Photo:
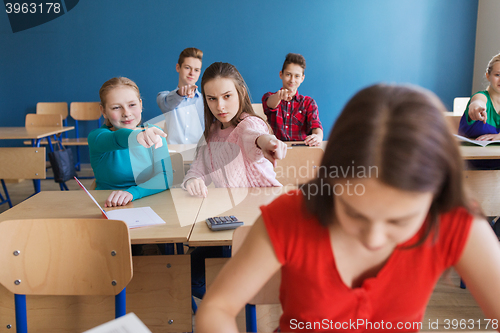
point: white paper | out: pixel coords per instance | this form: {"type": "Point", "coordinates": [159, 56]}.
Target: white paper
{"type": "Point", "coordinates": [135, 217]}
{"type": "Point", "coordinates": [476, 142]}
{"type": "Point", "coordinates": [129, 323]}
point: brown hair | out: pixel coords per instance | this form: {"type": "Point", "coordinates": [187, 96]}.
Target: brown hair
{"type": "Point", "coordinates": [294, 58]}
{"type": "Point", "coordinates": [492, 62]}
{"type": "Point", "coordinates": [402, 132]}
{"type": "Point", "coordinates": [115, 83]}
{"type": "Point", "coordinates": [226, 71]}
{"type": "Point", "coordinates": [192, 52]}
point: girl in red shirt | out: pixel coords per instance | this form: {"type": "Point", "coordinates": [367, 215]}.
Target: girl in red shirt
{"type": "Point", "coordinates": [362, 246]}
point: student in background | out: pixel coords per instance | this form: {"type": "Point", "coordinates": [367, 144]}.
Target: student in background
{"type": "Point", "coordinates": [368, 246]}
{"type": "Point", "coordinates": [239, 149]}
{"type": "Point", "coordinates": [183, 106]}
{"type": "Point", "coordinates": [293, 117]}
{"type": "Point", "coordinates": [481, 120]}
{"type": "Point", "coordinates": [121, 153]}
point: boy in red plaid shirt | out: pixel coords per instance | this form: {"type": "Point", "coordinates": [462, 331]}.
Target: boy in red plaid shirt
{"type": "Point", "coordinates": [293, 117]}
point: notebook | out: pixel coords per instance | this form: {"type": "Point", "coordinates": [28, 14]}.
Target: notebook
{"type": "Point", "coordinates": [133, 217]}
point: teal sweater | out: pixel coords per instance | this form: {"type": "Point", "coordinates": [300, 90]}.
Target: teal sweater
{"type": "Point", "coordinates": [121, 163]}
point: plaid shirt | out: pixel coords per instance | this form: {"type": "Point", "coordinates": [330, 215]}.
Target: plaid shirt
{"type": "Point", "coordinates": [292, 120]}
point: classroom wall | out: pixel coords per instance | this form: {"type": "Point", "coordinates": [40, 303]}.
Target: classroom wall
{"type": "Point", "coordinates": [348, 44]}
{"type": "Point", "coordinates": [487, 41]}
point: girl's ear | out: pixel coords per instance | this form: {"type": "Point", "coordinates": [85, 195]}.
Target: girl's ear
{"type": "Point", "coordinates": [102, 111]}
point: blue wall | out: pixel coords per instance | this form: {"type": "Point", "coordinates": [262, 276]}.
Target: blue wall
{"type": "Point", "coordinates": [348, 44]}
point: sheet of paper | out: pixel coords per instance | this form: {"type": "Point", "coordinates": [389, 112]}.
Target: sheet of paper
{"type": "Point", "coordinates": [135, 217]}
{"type": "Point", "coordinates": [129, 323]}
{"type": "Point", "coordinates": [475, 142]}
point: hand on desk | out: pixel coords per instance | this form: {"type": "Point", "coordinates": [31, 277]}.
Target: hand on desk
{"type": "Point", "coordinates": [313, 140]}
{"type": "Point", "coordinates": [196, 187]}
{"type": "Point", "coordinates": [118, 198]}
{"type": "Point", "coordinates": [488, 137]}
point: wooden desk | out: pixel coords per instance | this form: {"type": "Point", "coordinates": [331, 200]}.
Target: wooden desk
{"type": "Point", "coordinates": [480, 153]}
{"type": "Point", "coordinates": [243, 203]}
{"type": "Point", "coordinates": [322, 145]}
{"type": "Point", "coordinates": [176, 207]}
{"type": "Point", "coordinates": [34, 133]}
{"type": "Point", "coordinates": [160, 291]}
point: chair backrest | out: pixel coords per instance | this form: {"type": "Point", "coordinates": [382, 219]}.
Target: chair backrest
{"type": "Point", "coordinates": [269, 294]}
{"type": "Point", "coordinates": [259, 110]}
{"type": "Point", "coordinates": [177, 168]}
{"type": "Point", "coordinates": [453, 122]}
{"type": "Point", "coordinates": [484, 187]}
{"type": "Point", "coordinates": [85, 110]}
{"type": "Point", "coordinates": [459, 105]}
{"type": "Point", "coordinates": [43, 120]}
{"type": "Point", "coordinates": [300, 165]}
{"type": "Point", "coordinates": [52, 108]}
{"type": "Point", "coordinates": [22, 163]}
{"type": "Point", "coordinates": [65, 256]}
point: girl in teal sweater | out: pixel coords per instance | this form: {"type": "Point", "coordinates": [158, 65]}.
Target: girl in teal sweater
{"type": "Point", "coordinates": [121, 153]}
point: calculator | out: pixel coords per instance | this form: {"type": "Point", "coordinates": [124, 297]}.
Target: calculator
{"type": "Point", "coordinates": [223, 223]}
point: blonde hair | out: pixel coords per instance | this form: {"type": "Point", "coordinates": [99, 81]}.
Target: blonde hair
{"type": "Point", "coordinates": [115, 83]}
{"type": "Point", "coordinates": [492, 62]}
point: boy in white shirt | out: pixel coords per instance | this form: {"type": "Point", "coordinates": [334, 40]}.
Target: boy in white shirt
{"type": "Point", "coordinates": [183, 106]}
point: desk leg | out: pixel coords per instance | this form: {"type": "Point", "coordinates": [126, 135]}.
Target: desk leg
{"type": "Point", "coordinates": [36, 182]}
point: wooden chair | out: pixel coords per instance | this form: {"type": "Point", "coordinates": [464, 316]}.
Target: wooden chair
{"type": "Point", "coordinates": [51, 108]}
{"type": "Point", "coordinates": [300, 165]}
{"type": "Point", "coordinates": [269, 294]}
{"type": "Point", "coordinates": [459, 105]}
{"type": "Point", "coordinates": [64, 257]}
{"type": "Point", "coordinates": [484, 187]}
{"type": "Point", "coordinates": [259, 110]}
{"type": "Point", "coordinates": [453, 122]}
{"type": "Point", "coordinates": [177, 168]}
{"type": "Point", "coordinates": [82, 111]}
{"type": "Point", "coordinates": [21, 163]}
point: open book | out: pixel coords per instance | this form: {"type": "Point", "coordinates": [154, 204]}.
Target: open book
{"type": "Point", "coordinates": [133, 217]}
{"type": "Point", "coordinates": [465, 140]}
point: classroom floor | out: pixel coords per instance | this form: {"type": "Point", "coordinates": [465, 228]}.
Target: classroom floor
{"type": "Point", "coordinates": [448, 301]}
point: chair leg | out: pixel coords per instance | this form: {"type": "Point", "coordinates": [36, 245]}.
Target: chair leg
{"type": "Point", "coordinates": [121, 303]}
{"type": "Point", "coordinates": [78, 164]}
{"type": "Point", "coordinates": [7, 197]}
{"type": "Point", "coordinates": [251, 318]}
{"type": "Point", "coordinates": [21, 319]}
{"type": "Point", "coordinates": [462, 284]}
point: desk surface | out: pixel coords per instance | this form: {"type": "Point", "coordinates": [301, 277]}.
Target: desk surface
{"type": "Point", "coordinates": [243, 203]}
{"type": "Point", "coordinates": [174, 206]}
{"type": "Point", "coordinates": [480, 153]}
{"type": "Point", "coordinates": [31, 133]}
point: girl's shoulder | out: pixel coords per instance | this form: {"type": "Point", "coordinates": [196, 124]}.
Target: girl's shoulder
{"type": "Point", "coordinates": [247, 120]}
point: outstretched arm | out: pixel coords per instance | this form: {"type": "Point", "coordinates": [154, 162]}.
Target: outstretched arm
{"type": "Point", "coordinates": [240, 279]}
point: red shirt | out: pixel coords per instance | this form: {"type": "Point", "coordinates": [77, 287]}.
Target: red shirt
{"type": "Point", "coordinates": [312, 294]}
{"type": "Point", "coordinates": [292, 120]}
